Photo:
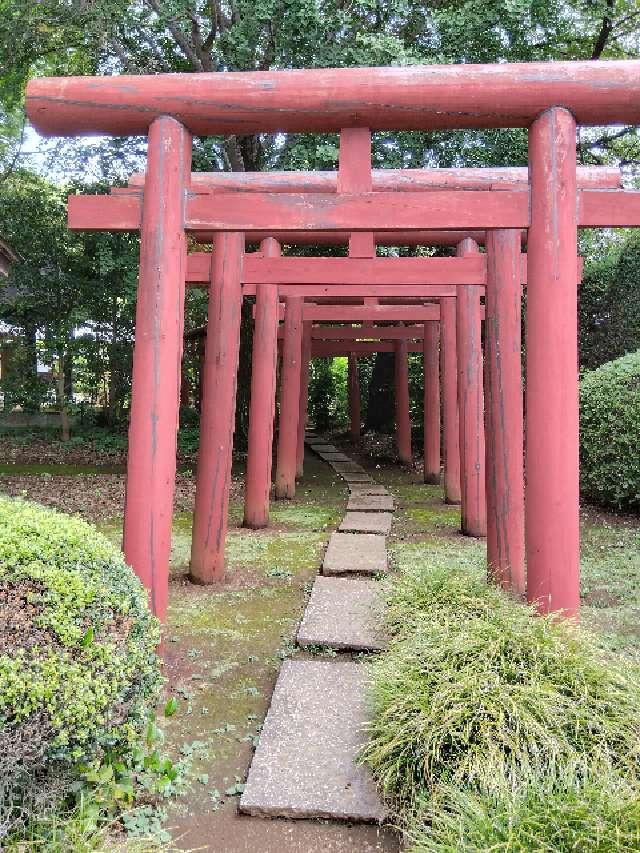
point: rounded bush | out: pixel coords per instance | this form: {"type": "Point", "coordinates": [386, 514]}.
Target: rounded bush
{"type": "Point", "coordinates": [610, 433]}
{"type": "Point", "coordinates": [78, 665]}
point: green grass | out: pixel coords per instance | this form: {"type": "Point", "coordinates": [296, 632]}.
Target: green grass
{"type": "Point", "coordinates": [485, 716]}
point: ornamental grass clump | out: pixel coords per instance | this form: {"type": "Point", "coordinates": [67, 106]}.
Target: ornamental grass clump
{"type": "Point", "coordinates": [78, 666]}
{"type": "Point", "coordinates": [480, 705]}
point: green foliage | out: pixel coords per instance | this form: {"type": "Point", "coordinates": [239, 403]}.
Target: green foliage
{"type": "Point", "coordinates": [328, 393]}
{"type": "Point", "coordinates": [77, 657]}
{"type": "Point", "coordinates": [609, 302]}
{"type": "Point", "coordinates": [480, 707]}
{"type": "Point", "coordinates": [609, 430]}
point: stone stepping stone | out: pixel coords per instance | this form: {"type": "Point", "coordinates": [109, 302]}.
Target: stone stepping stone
{"type": "Point", "coordinates": [366, 522]}
{"type": "Point", "coordinates": [355, 477]}
{"type": "Point", "coordinates": [305, 765]}
{"type": "Point", "coordinates": [353, 553]}
{"type": "Point", "coordinates": [338, 456]}
{"type": "Point", "coordinates": [370, 503]}
{"type": "Point", "coordinates": [324, 448]}
{"type": "Point", "coordinates": [343, 613]}
{"type": "Point", "coordinates": [347, 467]}
{"type": "Point", "coordinates": [367, 489]}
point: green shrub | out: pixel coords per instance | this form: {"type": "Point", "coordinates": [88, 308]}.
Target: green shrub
{"type": "Point", "coordinates": [77, 654]}
{"type": "Point", "coordinates": [610, 433]}
{"type": "Point", "coordinates": [479, 696]}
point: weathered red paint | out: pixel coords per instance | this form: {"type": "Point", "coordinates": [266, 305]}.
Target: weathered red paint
{"type": "Point", "coordinates": [334, 292]}
{"type": "Point", "coordinates": [403, 422]}
{"type": "Point", "coordinates": [371, 313]}
{"type": "Point", "coordinates": [449, 387]}
{"type": "Point", "coordinates": [151, 462]}
{"type": "Point", "coordinates": [353, 393]}
{"type": "Point", "coordinates": [289, 399]}
{"type": "Point", "coordinates": [217, 418]}
{"type": "Point", "coordinates": [401, 98]}
{"type": "Point", "coordinates": [355, 333]}
{"type": "Point", "coordinates": [263, 401]}
{"type": "Point", "coordinates": [373, 211]}
{"type": "Point", "coordinates": [323, 349]}
{"type": "Point", "coordinates": [293, 221]}
{"type": "Point", "coordinates": [382, 180]}
{"type": "Point", "coordinates": [552, 529]}
{"type": "Point", "coordinates": [354, 176]}
{"type": "Point", "coordinates": [431, 376]}
{"type": "Point", "coordinates": [504, 414]}
{"type": "Point", "coordinates": [305, 358]}
{"type": "Point", "coordinates": [473, 505]}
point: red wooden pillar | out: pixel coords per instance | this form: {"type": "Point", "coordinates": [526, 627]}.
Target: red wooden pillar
{"type": "Point", "coordinates": [449, 384]}
{"type": "Point", "coordinates": [552, 496]}
{"type": "Point", "coordinates": [289, 399]}
{"type": "Point", "coordinates": [353, 389]}
{"type": "Point", "coordinates": [403, 422]}
{"type": "Point", "coordinates": [431, 375]}
{"type": "Point", "coordinates": [305, 367]}
{"type": "Point", "coordinates": [503, 412]}
{"type": "Point", "coordinates": [217, 420]}
{"type": "Point", "coordinates": [151, 461]}
{"type": "Point", "coordinates": [263, 400]}
{"type": "Point", "coordinates": [473, 504]}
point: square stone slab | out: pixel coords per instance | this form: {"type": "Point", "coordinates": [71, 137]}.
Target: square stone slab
{"type": "Point", "coordinates": [347, 467]}
{"type": "Point", "coordinates": [343, 613]}
{"type": "Point", "coordinates": [324, 448]}
{"type": "Point", "coordinates": [370, 503]}
{"type": "Point", "coordinates": [305, 763]}
{"type": "Point", "coordinates": [355, 476]}
{"type": "Point", "coordinates": [353, 553]}
{"type": "Point", "coordinates": [367, 489]}
{"type": "Point", "coordinates": [366, 522]}
{"type": "Point", "coordinates": [336, 456]}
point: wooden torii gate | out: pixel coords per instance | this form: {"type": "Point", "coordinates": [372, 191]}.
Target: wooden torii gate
{"type": "Point", "coordinates": [548, 99]}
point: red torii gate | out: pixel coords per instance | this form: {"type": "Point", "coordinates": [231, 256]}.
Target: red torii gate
{"type": "Point", "coordinates": [547, 98]}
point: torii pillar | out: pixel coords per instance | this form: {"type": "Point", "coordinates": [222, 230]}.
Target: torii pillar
{"type": "Point", "coordinates": [504, 412]}
{"type": "Point", "coordinates": [449, 384]}
{"type": "Point", "coordinates": [431, 376]}
{"type": "Point", "coordinates": [305, 366]}
{"type": "Point", "coordinates": [157, 354]}
{"type": "Point", "coordinates": [287, 462]}
{"type": "Point", "coordinates": [353, 392]}
{"type": "Point", "coordinates": [552, 492]}
{"type": "Point", "coordinates": [473, 506]}
{"type": "Point", "coordinates": [262, 405]}
{"type": "Point", "coordinates": [403, 421]}
{"type": "Point", "coordinates": [217, 419]}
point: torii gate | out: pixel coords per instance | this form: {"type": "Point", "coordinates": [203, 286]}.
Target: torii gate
{"type": "Point", "coordinates": [546, 98]}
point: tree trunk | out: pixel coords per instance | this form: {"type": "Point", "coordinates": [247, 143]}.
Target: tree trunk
{"type": "Point", "coordinates": [61, 399]}
{"type": "Point", "coordinates": [380, 407]}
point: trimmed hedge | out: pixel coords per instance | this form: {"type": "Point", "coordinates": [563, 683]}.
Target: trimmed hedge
{"type": "Point", "coordinates": [610, 433]}
{"type": "Point", "coordinates": [78, 666]}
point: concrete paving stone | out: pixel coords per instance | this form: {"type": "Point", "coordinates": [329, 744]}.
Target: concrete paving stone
{"type": "Point", "coordinates": [343, 613]}
{"type": "Point", "coordinates": [353, 553]}
{"type": "Point", "coordinates": [338, 456]}
{"type": "Point", "coordinates": [324, 448]}
{"type": "Point", "coordinates": [370, 503]}
{"type": "Point", "coordinates": [347, 467]}
{"type": "Point", "coordinates": [305, 764]}
{"type": "Point", "coordinates": [367, 489]}
{"type": "Point", "coordinates": [366, 522]}
{"type": "Point", "coordinates": [355, 477]}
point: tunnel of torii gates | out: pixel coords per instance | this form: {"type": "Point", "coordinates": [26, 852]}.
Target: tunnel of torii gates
{"type": "Point", "coordinates": [549, 99]}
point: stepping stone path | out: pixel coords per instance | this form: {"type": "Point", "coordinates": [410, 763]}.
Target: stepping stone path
{"type": "Point", "coordinates": [305, 765]}
{"type": "Point", "coordinates": [366, 522]}
{"type": "Point", "coordinates": [359, 502]}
